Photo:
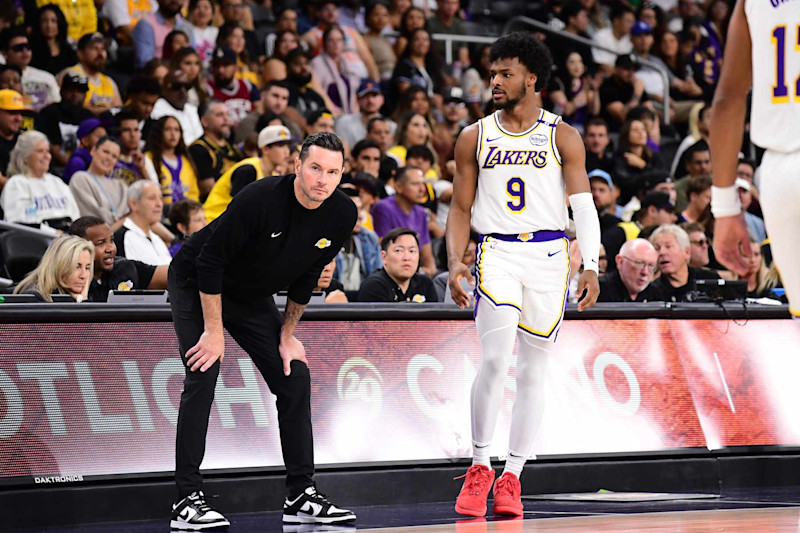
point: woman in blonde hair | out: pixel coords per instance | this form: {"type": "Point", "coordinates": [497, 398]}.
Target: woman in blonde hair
{"type": "Point", "coordinates": [67, 267]}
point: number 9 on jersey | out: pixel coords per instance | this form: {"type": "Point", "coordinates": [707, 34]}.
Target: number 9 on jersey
{"type": "Point", "coordinates": [515, 188]}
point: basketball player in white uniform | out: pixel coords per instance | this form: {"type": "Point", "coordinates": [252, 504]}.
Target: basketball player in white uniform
{"type": "Point", "coordinates": [514, 170]}
{"type": "Point", "coordinates": [763, 50]}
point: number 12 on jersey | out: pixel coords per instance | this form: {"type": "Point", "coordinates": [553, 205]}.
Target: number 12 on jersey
{"type": "Point", "coordinates": [780, 91]}
{"type": "Point", "coordinates": [515, 188]}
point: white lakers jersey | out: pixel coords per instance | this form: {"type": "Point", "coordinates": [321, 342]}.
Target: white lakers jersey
{"type": "Point", "coordinates": [775, 36]}
{"type": "Point", "coordinates": [520, 184]}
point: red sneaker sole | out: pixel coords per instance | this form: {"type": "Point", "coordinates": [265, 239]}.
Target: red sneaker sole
{"type": "Point", "coordinates": [507, 510]}
{"type": "Point", "coordinates": [470, 512]}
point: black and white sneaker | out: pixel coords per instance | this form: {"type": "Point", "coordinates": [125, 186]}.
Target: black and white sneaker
{"type": "Point", "coordinates": [194, 513]}
{"type": "Point", "coordinates": [311, 507]}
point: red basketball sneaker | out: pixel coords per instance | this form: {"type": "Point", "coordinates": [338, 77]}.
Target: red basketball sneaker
{"type": "Point", "coordinates": [471, 500]}
{"type": "Point", "coordinates": [507, 495]}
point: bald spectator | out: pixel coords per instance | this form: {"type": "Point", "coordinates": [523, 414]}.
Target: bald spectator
{"type": "Point", "coordinates": [677, 279]}
{"type": "Point", "coordinates": [175, 102]}
{"type": "Point", "coordinates": [636, 263]}
{"type": "Point", "coordinates": [698, 191]}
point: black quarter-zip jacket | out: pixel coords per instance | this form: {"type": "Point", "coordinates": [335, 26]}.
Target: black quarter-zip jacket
{"type": "Point", "coordinates": [265, 242]}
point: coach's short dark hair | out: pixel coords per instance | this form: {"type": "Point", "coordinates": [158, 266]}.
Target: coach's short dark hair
{"type": "Point", "coordinates": [325, 140]}
{"type": "Point", "coordinates": [80, 226]}
{"type": "Point", "coordinates": [395, 234]}
{"type": "Point", "coordinates": [534, 55]}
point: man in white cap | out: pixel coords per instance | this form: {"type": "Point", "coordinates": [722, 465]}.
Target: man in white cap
{"type": "Point", "coordinates": [273, 143]}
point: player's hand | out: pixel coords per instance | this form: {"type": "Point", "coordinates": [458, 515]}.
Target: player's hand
{"type": "Point", "coordinates": [205, 353]}
{"type": "Point", "coordinates": [290, 350]}
{"type": "Point", "coordinates": [457, 272]}
{"type": "Point", "coordinates": [732, 244]}
{"type": "Point", "coordinates": [589, 284]}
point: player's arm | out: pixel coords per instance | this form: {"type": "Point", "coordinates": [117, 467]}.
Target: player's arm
{"type": "Point", "coordinates": [587, 226]}
{"type": "Point", "coordinates": [731, 240]}
{"type": "Point", "coordinates": [465, 183]}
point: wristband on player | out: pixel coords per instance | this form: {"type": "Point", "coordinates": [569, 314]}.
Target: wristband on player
{"type": "Point", "coordinates": [725, 201]}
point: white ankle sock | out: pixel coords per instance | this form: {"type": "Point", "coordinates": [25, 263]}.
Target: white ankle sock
{"type": "Point", "coordinates": [514, 464]}
{"type": "Point", "coordinates": [480, 455]}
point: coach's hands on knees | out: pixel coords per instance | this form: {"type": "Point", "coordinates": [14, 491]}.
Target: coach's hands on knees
{"type": "Point", "coordinates": [457, 272]}
{"type": "Point", "coordinates": [588, 290]}
{"type": "Point", "coordinates": [290, 350]}
{"type": "Point", "coordinates": [206, 352]}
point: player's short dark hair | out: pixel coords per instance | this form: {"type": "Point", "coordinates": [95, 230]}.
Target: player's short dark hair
{"type": "Point", "coordinates": [403, 173]}
{"type": "Point", "coordinates": [144, 85]}
{"type": "Point", "coordinates": [420, 151]}
{"type": "Point", "coordinates": [374, 120]}
{"type": "Point", "coordinates": [181, 212]}
{"type": "Point", "coordinates": [362, 145]}
{"type": "Point", "coordinates": [698, 184]}
{"type": "Point", "coordinates": [533, 54]}
{"type": "Point", "coordinates": [79, 227]}
{"type": "Point", "coordinates": [395, 234]}
{"type": "Point", "coordinates": [323, 139]}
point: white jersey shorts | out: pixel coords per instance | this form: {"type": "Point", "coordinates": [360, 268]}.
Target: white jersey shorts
{"type": "Point", "coordinates": [529, 273]}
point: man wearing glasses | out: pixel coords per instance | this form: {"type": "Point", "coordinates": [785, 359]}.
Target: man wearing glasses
{"type": "Point", "coordinates": [632, 281]}
{"type": "Point", "coordinates": [174, 102]}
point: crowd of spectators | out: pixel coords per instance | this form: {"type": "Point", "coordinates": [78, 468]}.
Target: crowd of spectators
{"type": "Point", "coordinates": [130, 124]}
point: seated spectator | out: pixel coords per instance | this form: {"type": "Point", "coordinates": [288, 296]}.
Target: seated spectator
{"type": "Point", "coordinates": [11, 106]}
{"type": "Point", "coordinates": [235, 12]}
{"type": "Point", "coordinates": [103, 92]}
{"type": "Point", "coordinates": [575, 17]}
{"type": "Point", "coordinates": [419, 65]}
{"type": "Point", "coordinates": [33, 196]}
{"type": "Point", "coordinates": [81, 16]}
{"type": "Point", "coordinates": [699, 244]}
{"type": "Point", "coordinates": [699, 128]}
{"type": "Point", "coordinates": [112, 272]}
{"type": "Point", "coordinates": [698, 190]}
{"type": "Point", "coordinates": [143, 93]}
{"type": "Point", "coordinates": [441, 280]}
{"type": "Point", "coordinates": [634, 160]}
{"type": "Point", "coordinates": [413, 19]}
{"type": "Point", "coordinates": [353, 127]}
{"type": "Point", "coordinates": [66, 267]}
{"type": "Point", "coordinates": [365, 156]}
{"type": "Point", "coordinates": [168, 163]}
{"type": "Point", "coordinates": [276, 67]}
{"type": "Point", "coordinates": [134, 239]}
{"type": "Point", "coordinates": [360, 256]}
{"type": "Point", "coordinates": [599, 152]}
{"type": "Point", "coordinates": [96, 192]}
{"type": "Point", "coordinates": [151, 30]}
{"type": "Point", "coordinates": [190, 62]}
{"type": "Point", "coordinates": [762, 279]}
{"type": "Point", "coordinates": [380, 47]}
{"type": "Point", "coordinates": [122, 16]}
{"type": "Point", "coordinates": [203, 32]}
{"type": "Point", "coordinates": [398, 280]}
{"type": "Point", "coordinates": [746, 170]}
{"type": "Point", "coordinates": [575, 95]}
{"type": "Point", "coordinates": [61, 121]}
{"type": "Point", "coordinates": [188, 218]}
{"type": "Point", "coordinates": [355, 52]}
{"type": "Point", "coordinates": [174, 102]}
{"type": "Point", "coordinates": [287, 20]}
{"type": "Point", "coordinates": [616, 37]}
{"type": "Point", "coordinates": [273, 142]}
{"type": "Point", "coordinates": [39, 86]}
{"type": "Point", "coordinates": [275, 102]}
{"type": "Point", "coordinates": [233, 36]}
{"type": "Point", "coordinates": [697, 163]}
{"type": "Point", "coordinates": [447, 131]}
{"type": "Point", "coordinates": [335, 75]}
{"type": "Point", "coordinates": [333, 289]}
{"type": "Point", "coordinates": [447, 20]}
{"type": "Point", "coordinates": [413, 130]}
{"type": "Point", "coordinates": [212, 153]}
{"type": "Point", "coordinates": [89, 132]}
{"type": "Point", "coordinates": [319, 121]}
{"type": "Point", "coordinates": [656, 210]}
{"type": "Point", "coordinates": [51, 49]}
{"type": "Point", "coordinates": [416, 99]}
{"type": "Point", "coordinates": [632, 281]}
{"type": "Point", "coordinates": [156, 69]}
{"type": "Point", "coordinates": [302, 96]}
{"type": "Point", "coordinates": [755, 225]}
{"type": "Point", "coordinates": [603, 195]}
{"type": "Point", "coordinates": [379, 129]}
{"type": "Point", "coordinates": [403, 210]}
{"type": "Point", "coordinates": [475, 83]}
{"type": "Point", "coordinates": [239, 96]}
{"type": "Point", "coordinates": [174, 41]}
{"type": "Point", "coordinates": [131, 162]}
{"type": "Point", "coordinates": [367, 186]}
{"type": "Point", "coordinates": [620, 93]}
{"type": "Point", "coordinates": [677, 277]}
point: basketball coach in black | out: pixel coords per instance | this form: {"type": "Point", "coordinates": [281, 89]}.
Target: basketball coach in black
{"type": "Point", "coordinates": [277, 232]}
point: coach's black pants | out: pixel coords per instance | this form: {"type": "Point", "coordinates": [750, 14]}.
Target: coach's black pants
{"type": "Point", "coordinates": [255, 325]}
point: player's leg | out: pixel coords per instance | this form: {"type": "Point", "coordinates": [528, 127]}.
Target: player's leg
{"type": "Point", "coordinates": [190, 510]}
{"type": "Point", "coordinates": [496, 319]}
{"type": "Point", "coordinates": [780, 195]}
{"type": "Point", "coordinates": [256, 328]}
